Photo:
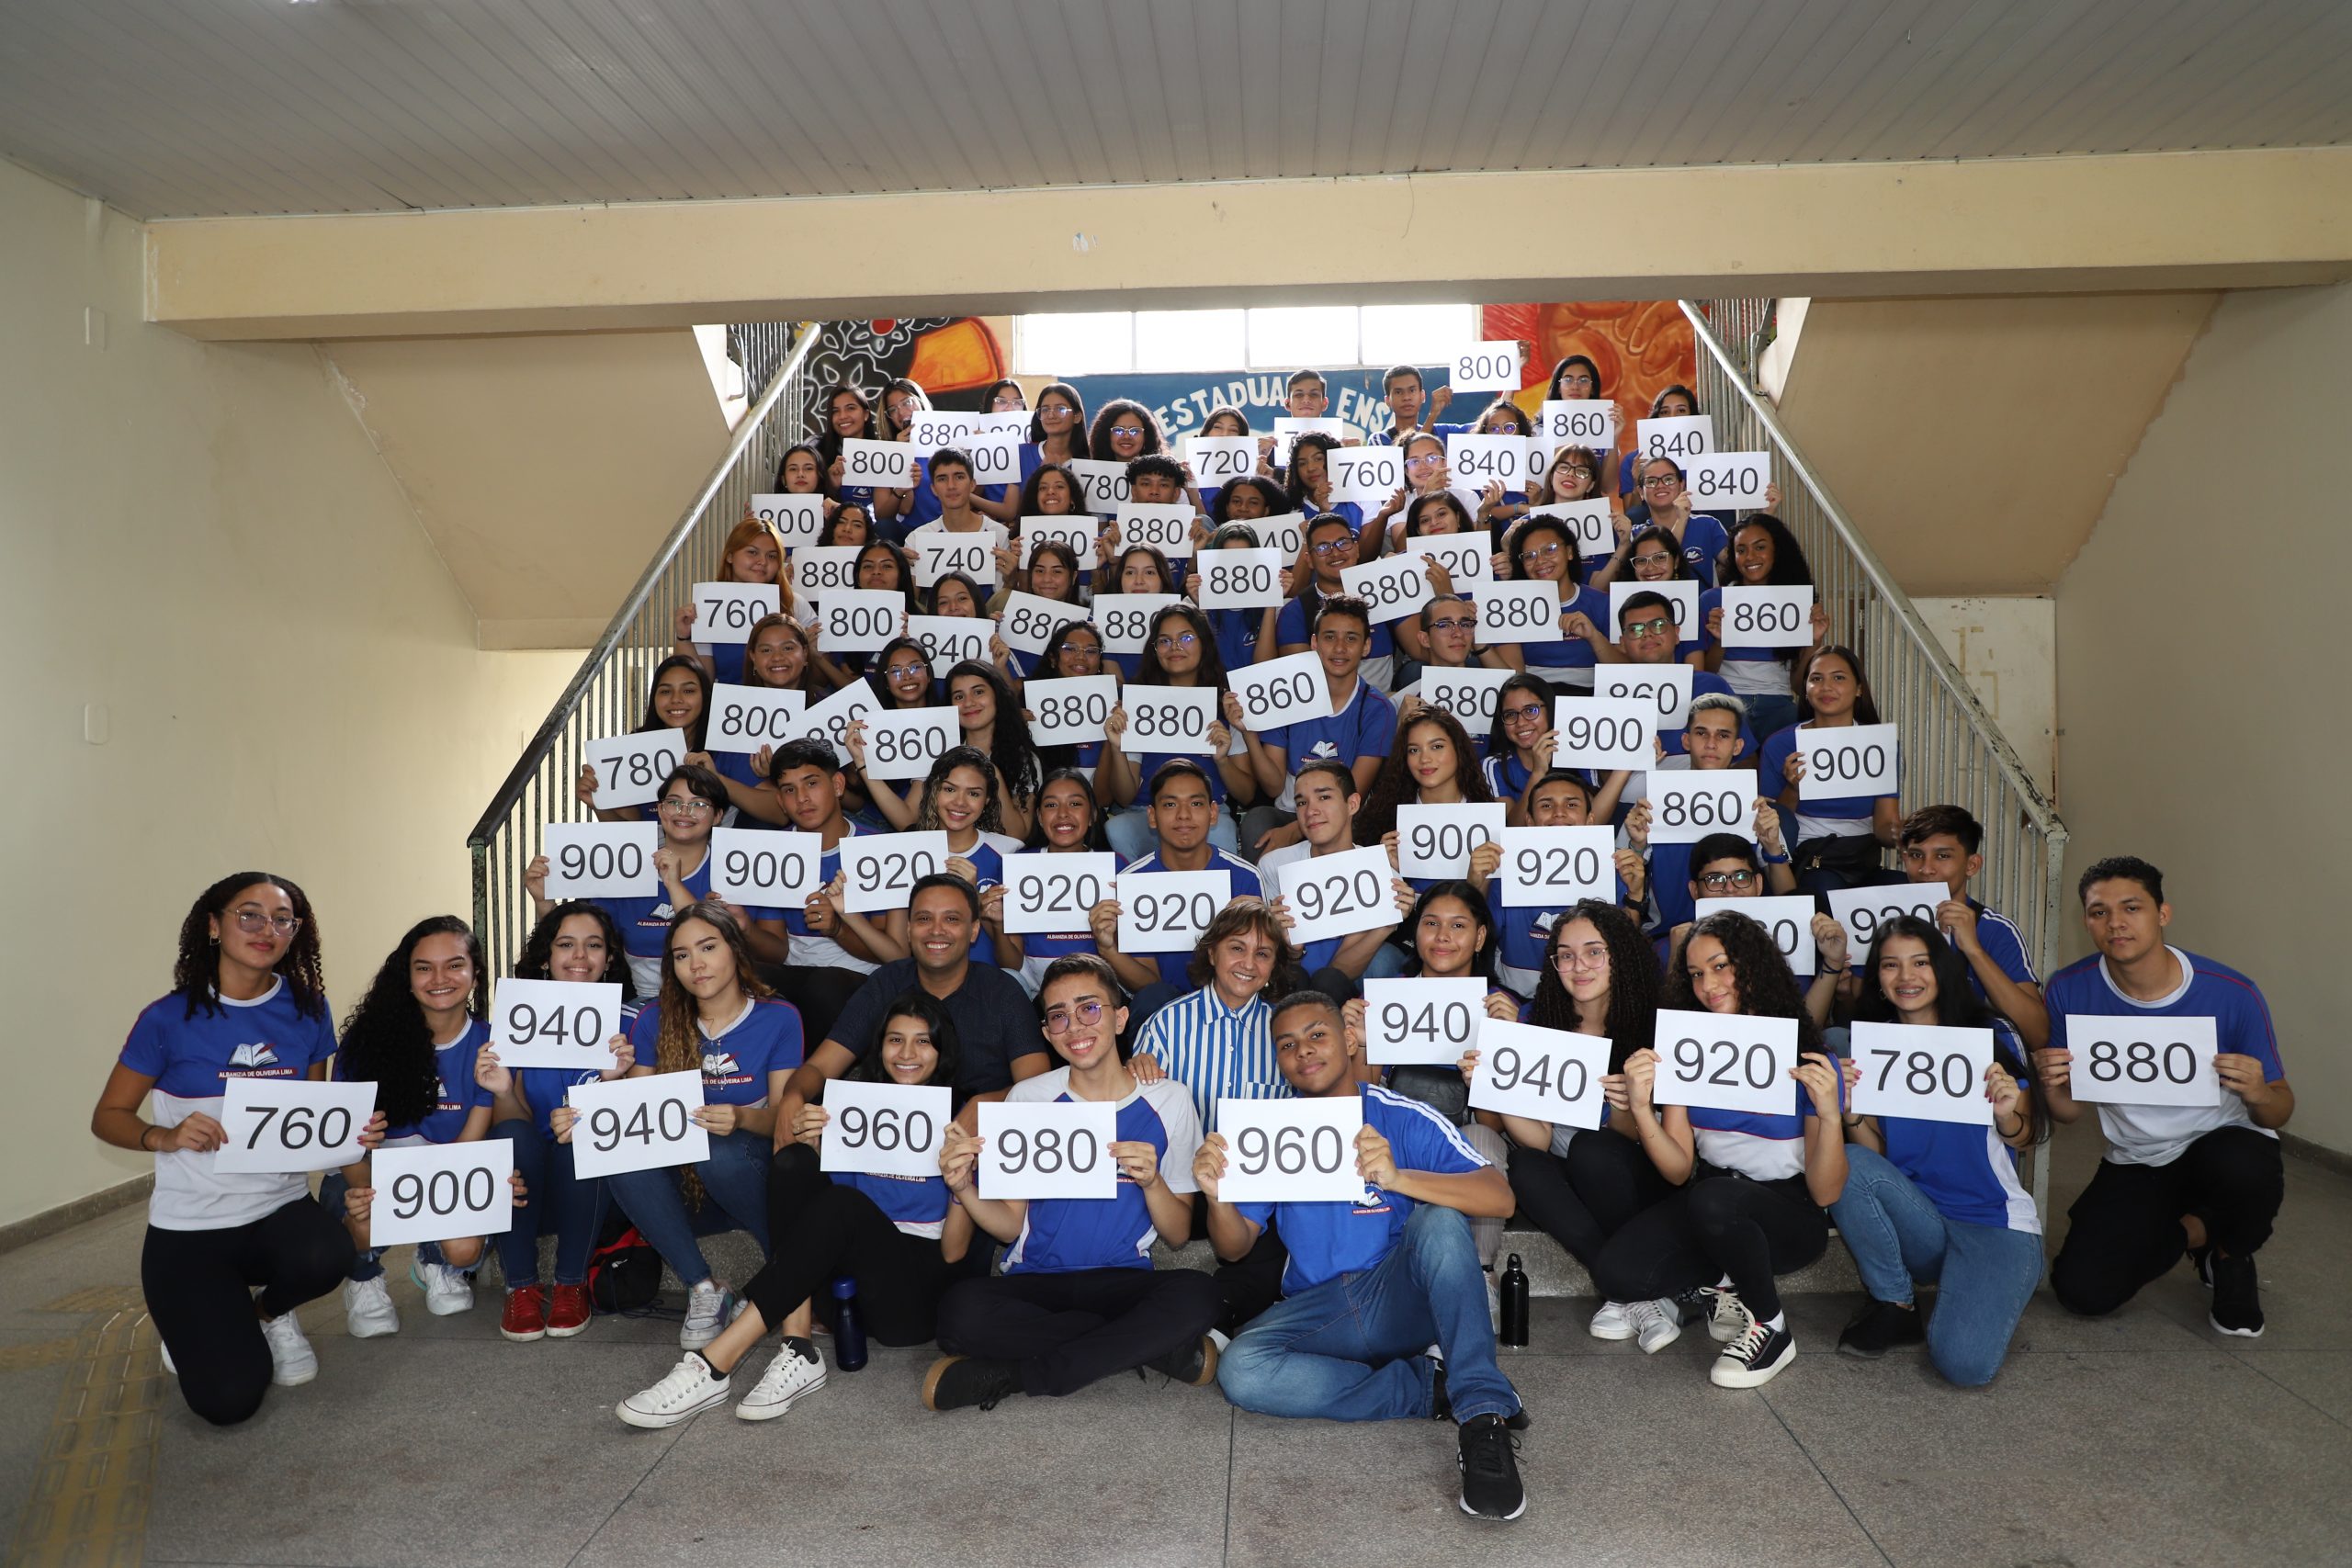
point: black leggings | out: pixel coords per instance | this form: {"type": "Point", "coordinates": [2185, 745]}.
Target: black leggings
{"type": "Point", "coordinates": [199, 1288]}
{"type": "Point", "coordinates": [819, 1230]}
{"type": "Point", "coordinates": [2125, 1229]}
{"type": "Point", "coordinates": [1584, 1197]}
{"type": "Point", "coordinates": [1066, 1330]}
{"type": "Point", "coordinates": [1718, 1224]}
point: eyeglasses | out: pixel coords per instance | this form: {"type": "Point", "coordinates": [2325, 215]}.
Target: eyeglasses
{"type": "Point", "coordinates": [1521, 714]}
{"type": "Point", "coordinates": [1540, 552]}
{"type": "Point", "coordinates": [1080, 650]}
{"type": "Point", "coordinates": [1134, 430]}
{"type": "Point", "coordinates": [904, 671]}
{"type": "Point", "coordinates": [899, 407]}
{"type": "Point", "coordinates": [1649, 628]}
{"type": "Point", "coordinates": [1182, 639]}
{"type": "Point", "coordinates": [1334, 546]}
{"type": "Point", "coordinates": [1080, 1015]}
{"type": "Point", "coordinates": [1661, 481]}
{"type": "Point", "coordinates": [1055, 409]}
{"type": "Point", "coordinates": [251, 920]}
{"type": "Point", "coordinates": [1717, 881]}
{"type": "Point", "coordinates": [1571, 958]}
{"type": "Point", "coordinates": [1426, 460]}
{"type": "Point", "coordinates": [687, 808]}
{"type": "Point", "coordinates": [1454, 623]}
{"type": "Point", "coordinates": [1656, 557]}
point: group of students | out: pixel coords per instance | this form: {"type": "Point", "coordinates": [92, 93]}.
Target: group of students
{"type": "Point", "coordinates": [1369, 1309]}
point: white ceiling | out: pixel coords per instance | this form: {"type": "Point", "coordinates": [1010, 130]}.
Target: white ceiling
{"type": "Point", "coordinates": [189, 108]}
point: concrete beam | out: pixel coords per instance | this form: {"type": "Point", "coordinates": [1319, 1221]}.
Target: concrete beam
{"type": "Point", "coordinates": [2170, 220]}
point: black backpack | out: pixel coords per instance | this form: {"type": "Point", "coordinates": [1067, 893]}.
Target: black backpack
{"type": "Point", "coordinates": [624, 1273]}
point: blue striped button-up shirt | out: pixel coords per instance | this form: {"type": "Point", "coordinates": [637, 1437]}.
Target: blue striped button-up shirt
{"type": "Point", "coordinates": [1215, 1052]}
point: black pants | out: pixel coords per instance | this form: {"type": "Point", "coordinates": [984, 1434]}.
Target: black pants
{"type": "Point", "coordinates": [1718, 1224]}
{"type": "Point", "coordinates": [818, 1231]}
{"type": "Point", "coordinates": [1253, 1285]}
{"type": "Point", "coordinates": [819, 993]}
{"type": "Point", "coordinates": [1064, 1331]}
{"type": "Point", "coordinates": [199, 1288]}
{"type": "Point", "coordinates": [2125, 1229]}
{"type": "Point", "coordinates": [1584, 1197]}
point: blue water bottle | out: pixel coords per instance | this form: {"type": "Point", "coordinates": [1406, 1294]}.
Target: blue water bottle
{"type": "Point", "coordinates": [849, 1325]}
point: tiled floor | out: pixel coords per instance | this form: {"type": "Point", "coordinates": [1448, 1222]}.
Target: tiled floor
{"type": "Point", "coordinates": [2139, 1439]}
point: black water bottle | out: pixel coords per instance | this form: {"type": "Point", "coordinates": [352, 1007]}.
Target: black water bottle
{"type": "Point", "coordinates": [1513, 1290]}
{"type": "Point", "coordinates": [849, 1325]}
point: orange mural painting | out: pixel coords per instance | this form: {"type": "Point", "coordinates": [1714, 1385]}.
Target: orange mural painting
{"type": "Point", "coordinates": [1641, 346]}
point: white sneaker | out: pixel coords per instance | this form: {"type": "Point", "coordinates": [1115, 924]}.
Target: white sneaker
{"type": "Point", "coordinates": [789, 1377]}
{"type": "Point", "coordinates": [1658, 1324]}
{"type": "Point", "coordinates": [168, 1369]}
{"type": "Point", "coordinates": [368, 1309]}
{"type": "Point", "coordinates": [446, 1289]}
{"type": "Point", "coordinates": [291, 1360]}
{"type": "Point", "coordinates": [1613, 1321]}
{"type": "Point", "coordinates": [1727, 1319]}
{"type": "Point", "coordinates": [707, 1315]}
{"type": "Point", "coordinates": [689, 1390]}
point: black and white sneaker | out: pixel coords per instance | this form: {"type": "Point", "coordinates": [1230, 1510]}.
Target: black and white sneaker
{"type": "Point", "coordinates": [2238, 1297]}
{"type": "Point", "coordinates": [1755, 1357]}
{"type": "Point", "coordinates": [1489, 1462]}
{"type": "Point", "coordinates": [954, 1382]}
{"type": "Point", "coordinates": [1441, 1406]}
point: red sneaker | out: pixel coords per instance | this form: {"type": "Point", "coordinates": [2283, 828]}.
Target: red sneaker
{"type": "Point", "coordinates": [526, 1317]}
{"type": "Point", "coordinates": [569, 1313]}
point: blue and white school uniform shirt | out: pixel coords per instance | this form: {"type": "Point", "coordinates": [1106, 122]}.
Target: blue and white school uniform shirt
{"type": "Point", "coordinates": [1237, 636]}
{"type": "Point", "coordinates": [1705, 538]}
{"type": "Point", "coordinates": [1172, 965]}
{"type": "Point", "coordinates": [1568, 660]}
{"type": "Point", "coordinates": [2155, 1135]}
{"type": "Point", "coordinates": [1966, 1172]}
{"type": "Point", "coordinates": [191, 1060]}
{"type": "Point", "coordinates": [1379, 666]}
{"type": "Point", "coordinates": [645, 925]}
{"type": "Point", "coordinates": [1061, 1236]}
{"type": "Point", "coordinates": [1670, 878]}
{"type": "Point", "coordinates": [737, 1056]}
{"type": "Point", "coordinates": [1749, 672]}
{"type": "Point", "coordinates": [544, 1088]}
{"type": "Point", "coordinates": [1704, 684]}
{"type": "Point", "coordinates": [1365, 727]}
{"type": "Point", "coordinates": [455, 1094]}
{"type": "Point", "coordinates": [1041, 948]}
{"type": "Point", "coordinates": [813, 950]}
{"type": "Point", "coordinates": [1841, 816]}
{"type": "Point", "coordinates": [1328, 1240]}
{"type": "Point", "coordinates": [1520, 935]}
{"type": "Point", "coordinates": [1761, 1147]}
{"type": "Point", "coordinates": [917, 1205]}
{"type": "Point", "coordinates": [987, 859]}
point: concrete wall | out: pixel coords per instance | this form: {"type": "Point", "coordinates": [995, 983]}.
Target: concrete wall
{"type": "Point", "coordinates": [2006, 647]}
{"type": "Point", "coordinates": [2194, 630]}
{"type": "Point", "coordinates": [197, 543]}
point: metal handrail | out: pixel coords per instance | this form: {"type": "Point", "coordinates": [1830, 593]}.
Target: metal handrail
{"type": "Point", "coordinates": [602, 697]}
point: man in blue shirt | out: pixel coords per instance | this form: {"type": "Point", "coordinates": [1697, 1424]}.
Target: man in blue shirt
{"type": "Point", "coordinates": [1402, 391]}
{"type": "Point", "coordinates": [1372, 1282]}
{"type": "Point", "coordinates": [1940, 844]}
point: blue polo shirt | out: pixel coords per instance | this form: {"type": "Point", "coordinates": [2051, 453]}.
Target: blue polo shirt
{"type": "Point", "coordinates": [1060, 1235]}
{"type": "Point", "coordinates": [737, 1060]}
{"type": "Point", "coordinates": [1365, 727]}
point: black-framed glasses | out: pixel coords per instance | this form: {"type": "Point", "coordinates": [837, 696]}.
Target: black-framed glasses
{"type": "Point", "coordinates": [1650, 627]}
{"type": "Point", "coordinates": [1660, 481]}
{"type": "Point", "coordinates": [1521, 714]}
{"type": "Point", "coordinates": [1334, 546]}
{"type": "Point", "coordinates": [1717, 881]}
{"type": "Point", "coordinates": [1454, 623]}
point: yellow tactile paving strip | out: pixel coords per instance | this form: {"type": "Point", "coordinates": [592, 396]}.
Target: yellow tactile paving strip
{"type": "Point", "coordinates": [91, 1493]}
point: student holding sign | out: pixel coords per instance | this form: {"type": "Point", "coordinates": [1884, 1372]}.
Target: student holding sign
{"type": "Point", "coordinates": [1181, 814]}
{"type": "Point", "coordinates": [824, 961]}
{"type": "Point", "coordinates": [1432, 763]}
{"type": "Point", "coordinates": [1725, 865]}
{"type": "Point", "coordinates": [1712, 742]}
{"type": "Point", "coordinates": [2192, 1150]}
{"type": "Point", "coordinates": [1942, 843]}
{"type": "Point", "coordinates": [848, 416]}
{"type": "Point", "coordinates": [1764, 554]}
{"type": "Point", "coordinates": [678, 697]}
{"type": "Point", "coordinates": [1331, 547]}
{"type": "Point", "coordinates": [1180, 653]}
{"type": "Point", "coordinates": [1371, 1284]}
{"type": "Point", "coordinates": [1079, 1300]}
{"type": "Point", "coordinates": [1069, 823]}
{"type": "Point", "coordinates": [1932, 1199]}
{"type": "Point", "coordinates": [801, 471]}
{"type": "Point", "coordinates": [1448, 629]}
{"type": "Point", "coordinates": [1648, 635]}
{"type": "Point", "coordinates": [898, 1236]}
{"type": "Point", "coordinates": [961, 799]}
{"type": "Point", "coordinates": [1700, 537]}
{"type": "Point", "coordinates": [1839, 839]}
{"type": "Point", "coordinates": [960, 518]}
{"type": "Point", "coordinates": [750, 553]}
{"type": "Point", "coordinates": [1328, 802]}
{"type": "Point", "coordinates": [1140, 569]}
{"type": "Point", "coordinates": [1751, 1187]}
{"type": "Point", "coordinates": [246, 1002]}
{"type": "Point", "coordinates": [1410, 408]}
{"type": "Point", "coordinates": [1359, 732]}
{"type": "Point", "coordinates": [1557, 799]}
{"type": "Point", "coordinates": [1544, 550]}
{"type": "Point", "coordinates": [1576, 473]}
{"type": "Point", "coordinates": [779, 656]}
{"type": "Point", "coordinates": [1240, 633]}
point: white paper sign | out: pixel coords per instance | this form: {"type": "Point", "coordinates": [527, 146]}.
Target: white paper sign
{"type": "Point", "coordinates": [726, 612]}
{"type": "Point", "coordinates": [1077, 532]}
{"type": "Point", "coordinates": [1436, 841]}
{"type": "Point", "coordinates": [744, 718]}
{"type": "Point", "coordinates": [1768, 617]}
{"type": "Point", "coordinates": [1665, 687]}
{"type": "Point", "coordinates": [1728, 481]}
{"type": "Point", "coordinates": [565, 1024]}
{"type": "Point", "coordinates": [1468, 558]}
{"type": "Point", "coordinates": [1592, 523]}
{"type": "Point", "coordinates": [973, 555]}
{"type": "Point", "coordinates": [1467, 694]}
{"type": "Point", "coordinates": [1366, 473]}
{"type": "Point", "coordinates": [1474, 462]}
{"type": "Point", "coordinates": [1394, 586]}
{"type": "Point", "coordinates": [830, 720]}
{"type": "Point", "coordinates": [992, 441]}
{"type": "Point", "coordinates": [643, 1124]}
{"type": "Point", "coordinates": [1544, 1075]}
{"type": "Point", "coordinates": [1678, 438]}
{"type": "Point", "coordinates": [1289, 1151]}
{"type": "Point", "coordinates": [1219, 459]}
{"type": "Point", "coordinates": [1518, 612]}
{"type": "Point", "coordinates": [761, 867]}
{"type": "Point", "coordinates": [884, 1129]}
{"type": "Point", "coordinates": [1788, 918]}
{"type": "Point", "coordinates": [860, 620]}
{"type": "Point", "coordinates": [1284, 531]}
{"type": "Point", "coordinates": [880, 870]}
{"type": "Point", "coordinates": [1603, 733]}
{"type": "Point", "coordinates": [797, 520]}
{"type": "Point", "coordinates": [1861, 910]}
{"type": "Point", "coordinates": [630, 768]}
{"type": "Point", "coordinates": [1102, 483]}
{"type": "Point", "coordinates": [1485, 368]}
{"type": "Point", "coordinates": [1923, 1071]}
{"type": "Point", "coordinates": [1165, 526]}
{"type": "Point", "coordinates": [1069, 710]}
{"type": "Point", "coordinates": [1551, 868]}
{"type": "Point", "coordinates": [1288, 428]}
{"type": "Point", "coordinates": [1680, 593]}
{"type": "Point", "coordinates": [2147, 1060]}
{"type": "Point", "coordinates": [1289, 690]}
{"type": "Point", "coordinates": [441, 1192]}
{"type": "Point", "coordinates": [1029, 620]}
{"type": "Point", "coordinates": [1726, 1062]}
{"type": "Point", "coordinates": [1124, 620]}
{"type": "Point", "coordinates": [1055, 892]}
{"type": "Point", "coordinates": [290, 1124]}
{"type": "Point", "coordinates": [1166, 911]}
{"type": "Point", "coordinates": [1589, 423]}
{"type": "Point", "coordinates": [885, 463]}
{"type": "Point", "coordinates": [1422, 1022]}
{"type": "Point", "coordinates": [1048, 1149]}
{"type": "Point", "coordinates": [1169, 720]}
{"type": "Point", "coordinates": [1337, 894]}
{"type": "Point", "coordinates": [950, 640]}
{"type": "Point", "coordinates": [1857, 761]}
{"type": "Point", "coordinates": [1687, 804]}
{"type": "Point", "coordinates": [1240, 579]}
{"type": "Point", "coordinates": [601, 860]}
{"type": "Point", "coordinates": [816, 567]}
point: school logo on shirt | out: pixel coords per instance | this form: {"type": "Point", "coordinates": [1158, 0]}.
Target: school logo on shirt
{"type": "Point", "coordinates": [721, 1068]}
{"type": "Point", "coordinates": [1322, 749]}
{"type": "Point", "coordinates": [441, 1095]}
{"type": "Point", "coordinates": [258, 1060]}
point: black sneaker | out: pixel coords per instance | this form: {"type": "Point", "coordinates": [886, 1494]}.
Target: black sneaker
{"type": "Point", "coordinates": [1489, 1462]}
{"type": "Point", "coordinates": [1755, 1357]}
{"type": "Point", "coordinates": [1442, 1407]}
{"type": "Point", "coordinates": [1879, 1327]}
{"type": "Point", "coordinates": [2238, 1297]}
{"type": "Point", "coordinates": [2201, 1258]}
{"type": "Point", "coordinates": [1194, 1364]}
{"type": "Point", "coordinates": [956, 1381]}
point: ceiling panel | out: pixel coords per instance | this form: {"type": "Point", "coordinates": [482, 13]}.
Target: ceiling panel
{"type": "Point", "coordinates": [197, 107]}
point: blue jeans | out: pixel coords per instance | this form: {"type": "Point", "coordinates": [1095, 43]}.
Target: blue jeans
{"type": "Point", "coordinates": [1128, 832]}
{"type": "Point", "coordinates": [556, 1196]}
{"type": "Point", "coordinates": [368, 1264]}
{"type": "Point", "coordinates": [1985, 1274]}
{"type": "Point", "coordinates": [734, 1197]}
{"type": "Point", "coordinates": [1351, 1349]}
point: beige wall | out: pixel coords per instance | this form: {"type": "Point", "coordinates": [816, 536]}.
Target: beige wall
{"type": "Point", "coordinates": [2193, 630]}
{"type": "Point", "coordinates": [2007, 648]}
{"type": "Point", "coordinates": [199, 540]}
